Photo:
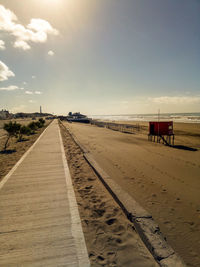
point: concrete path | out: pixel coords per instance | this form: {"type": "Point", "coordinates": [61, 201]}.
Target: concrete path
{"type": "Point", "coordinates": [39, 219]}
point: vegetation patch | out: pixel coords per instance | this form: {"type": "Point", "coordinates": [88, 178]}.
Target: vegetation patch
{"type": "Point", "coordinates": [19, 141]}
{"type": "Point", "coordinates": [17, 130]}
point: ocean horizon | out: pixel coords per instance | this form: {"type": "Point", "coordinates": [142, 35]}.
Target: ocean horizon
{"type": "Point", "coordinates": [176, 117]}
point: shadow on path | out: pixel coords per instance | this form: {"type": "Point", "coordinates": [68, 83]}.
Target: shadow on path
{"type": "Point", "coordinates": [23, 140]}
{"type": "Point", "coordinates": [9, 151]}
{"type": "Point", "coordinates": [185, 148]}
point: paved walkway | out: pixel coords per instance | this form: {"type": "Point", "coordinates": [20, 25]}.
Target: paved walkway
{"type": "Point", "coordinates": [39, 219]}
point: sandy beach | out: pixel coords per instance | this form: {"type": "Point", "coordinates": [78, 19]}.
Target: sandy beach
{"type": "Point", "coordinates": [110, 237]}
{"type": "Point", "coordinates": [164, 180]}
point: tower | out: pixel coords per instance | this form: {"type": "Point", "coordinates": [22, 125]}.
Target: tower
{"type": "Point", "coordinates": [40, 109]}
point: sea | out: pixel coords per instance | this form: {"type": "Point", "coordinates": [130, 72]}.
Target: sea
{"type": "Point", "coordinates": [176, 117]}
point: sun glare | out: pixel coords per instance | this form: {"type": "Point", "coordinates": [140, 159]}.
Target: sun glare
{"type": "Point", "coordinates": [54, 2]}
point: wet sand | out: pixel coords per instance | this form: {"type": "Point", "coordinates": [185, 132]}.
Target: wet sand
{"type": "Point", "coordinates": [164, 180]}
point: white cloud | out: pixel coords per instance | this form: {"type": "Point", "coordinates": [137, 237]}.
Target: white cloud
{"type": "Point", "coordinates": [5, 72]}
{"type": "Point", "coordinates": [33, 77]}
{"type": "Point", "coordinates": [51, 53]}
{"type": "Point", "coordinates": [31, 92]}
{"type": "Point", "coordinates": [36, 31]}
{"type": "Point", "coordinates": [24, 83]}
{"type": "Point", "coordinates": [2, 45]}
{"type": "Point", "coordinates": [7, 18]}
{"type": "Point", "coordinates": [175, 100]}
{"type": "Point", "coordinates": [10, 88]}
{"type": "Point", "coordinates": [28, 92]}
{"type": "Point", "coordinates": [22, 44]}
{"type": "Point", "coordinates": [38, 92]}
{"type": "Point", "coordinates": [40, 25]}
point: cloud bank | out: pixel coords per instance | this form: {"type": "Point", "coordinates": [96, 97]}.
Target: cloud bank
{"type": "Point", "coordinates": [5, 72]}
{"type": "Point", "coordinates": [31, 92]}
{"type": "Point", "coordinates": [176, 100]}
{"type": "Point", "coordinates": [38, 92]}
{"type": "Point", "coordinates": [10, 88]}
{"type": "Point", "coordinates": [28, 92]}
{"type": "Point", "coordinates": [36, 31]}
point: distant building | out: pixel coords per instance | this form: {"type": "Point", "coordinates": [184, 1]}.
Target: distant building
{"type": "Point", "coordinates": [4, 114]}
{"type": "Point", "coordinates": [40, 109]}
{"type": "Point", "coordinates": [75, 117]}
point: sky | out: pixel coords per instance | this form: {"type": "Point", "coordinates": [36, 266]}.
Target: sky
{"type": "Point", "coordinates": [100, 56]}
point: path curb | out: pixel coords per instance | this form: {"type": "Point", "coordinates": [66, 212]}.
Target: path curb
{"type": "Point", "coordinates": [143, 222]}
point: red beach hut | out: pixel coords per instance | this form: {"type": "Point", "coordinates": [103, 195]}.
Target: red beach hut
{"type": "Point", "coordinates": [161, 130]}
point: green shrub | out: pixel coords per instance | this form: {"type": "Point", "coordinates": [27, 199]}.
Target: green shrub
{"type": "Point", "coordinates": [38, 124]}
{"type": "Point", "coordinates": [33, 126]}
{"type": "Point", "coordinates": [42, 121]}
{"type": "Point", "coordinates": [12, 129]}
{"type": "Point", "coordinates": [15, 129]}
{"type": "Point", "coordinates": [24, 130]}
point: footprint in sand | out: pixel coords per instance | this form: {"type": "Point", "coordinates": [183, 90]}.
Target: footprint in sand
{"type": "Point", "coordinates": [114, 212]}
{"type": "Point", "coordinates": [111, 221]}
{"type": "Point", "coordinates": [91, 255]}
{"type": "Point", "coordinates": [100, 231]}
{"type": "Point", "coordinates": [101, 260]}
{"type": "Point", "coordinates": [98, 213]}
{"type": "Point", "coordinates": [118, 240]}
{"type": "Point", "coordinates": [190, 223]}
{"type": "Point", "coordinates": [88, 187]}
{"type": "Point", "coordinates": [86, 222]}
{"type": "Point", "coordinates": [166, 222]}
{"type": "Point", "coordinates": [95, 199]}
{"type": "Point", "coordinates": [84, 192]}
{"type": "Point", "coordinates": [102, 205]}
{"type": "Point", "coordinates": [91, 179]}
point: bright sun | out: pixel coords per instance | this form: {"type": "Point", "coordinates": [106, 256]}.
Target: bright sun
{"type": "Point", "coordinates": [53, 1]}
